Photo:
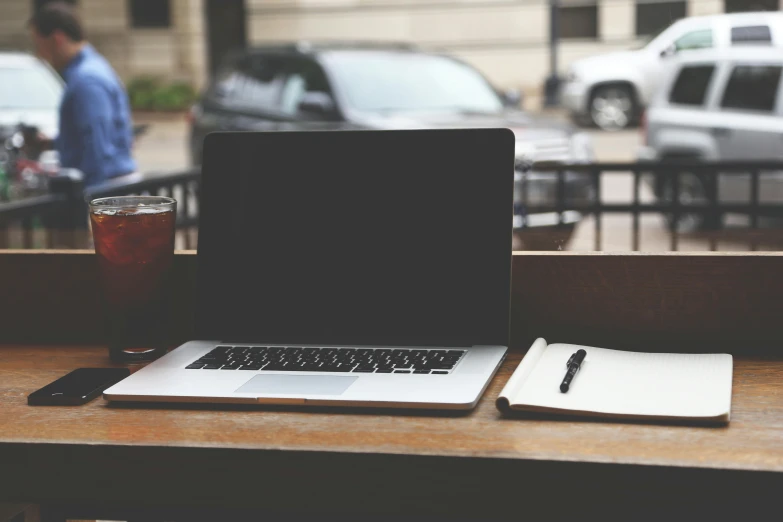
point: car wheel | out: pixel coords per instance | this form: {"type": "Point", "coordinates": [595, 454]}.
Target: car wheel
{"type": "Point", "coordinates": [612, 107]}
{"type": "Point", "coordinates": [692, 191]}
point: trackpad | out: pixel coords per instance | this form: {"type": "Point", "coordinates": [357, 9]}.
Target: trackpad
{"type": "Point", "coordinates": [297, 384]}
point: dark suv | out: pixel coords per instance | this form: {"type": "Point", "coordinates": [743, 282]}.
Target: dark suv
{"type": "Point", "coordinates": [336, 86]}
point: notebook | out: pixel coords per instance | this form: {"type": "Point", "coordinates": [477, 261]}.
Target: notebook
{"type": "Point", "coordinates": [620, 384]}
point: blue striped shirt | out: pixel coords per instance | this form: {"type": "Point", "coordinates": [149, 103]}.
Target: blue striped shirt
{"type": "Point", "coordinates": [96, 134]}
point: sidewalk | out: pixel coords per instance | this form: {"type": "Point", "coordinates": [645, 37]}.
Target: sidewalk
{"type": "Point", "coordinates": [165, 144]}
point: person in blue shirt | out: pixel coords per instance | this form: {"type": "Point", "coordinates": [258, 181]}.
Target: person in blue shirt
{"type": "Point", "coordinates": [96, 133]}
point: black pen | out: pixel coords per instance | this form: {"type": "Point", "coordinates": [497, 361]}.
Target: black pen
{"type": "Point", "coordinates": [573, 365]}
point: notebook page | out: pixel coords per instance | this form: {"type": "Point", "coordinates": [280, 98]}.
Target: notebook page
{"type": "Point", "coordinates": [630, 383]}
{"type": "Point", "coordinates": [519, 376]}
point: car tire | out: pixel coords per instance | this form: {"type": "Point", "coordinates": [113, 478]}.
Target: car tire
{"type": "Point", "coordinates": [613, 107]}
{"type": "Point", "coordinates": [692, 189]}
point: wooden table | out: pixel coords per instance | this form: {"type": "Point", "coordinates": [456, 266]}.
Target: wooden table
{"type": "Point", "coordinates": [105, 461]}
{"type": "Point", "coordinates": [478, 465]}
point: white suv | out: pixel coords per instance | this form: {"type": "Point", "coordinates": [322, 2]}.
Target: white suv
{"type": "Point", "coordinates": [611, 90]}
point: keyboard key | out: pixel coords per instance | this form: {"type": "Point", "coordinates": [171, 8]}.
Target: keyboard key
{"type": "Point", "coordinates": [439, 372]}
{"type": "Point", "coordinates": [338, 360]}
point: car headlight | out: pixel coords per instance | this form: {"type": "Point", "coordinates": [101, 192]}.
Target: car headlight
{"type": "Point", "coordinates": [582, 148]}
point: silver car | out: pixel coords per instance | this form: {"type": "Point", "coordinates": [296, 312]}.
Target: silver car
{"type": "Point", "coordinates": [722, 104]}
{"type": "Point", "coordinates": [30, 93]}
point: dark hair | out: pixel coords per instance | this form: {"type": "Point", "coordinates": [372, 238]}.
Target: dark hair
{"type": "Point", "coordinates": [58, 16]}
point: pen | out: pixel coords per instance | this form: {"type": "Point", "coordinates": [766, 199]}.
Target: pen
{"type": "Point", "coordinates": [573, 365]}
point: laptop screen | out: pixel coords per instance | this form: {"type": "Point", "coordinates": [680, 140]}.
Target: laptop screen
{"type": "Point", "coordinates": [356, 238]}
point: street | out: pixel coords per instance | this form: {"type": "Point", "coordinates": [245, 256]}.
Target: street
{"type": "Point", "coordinates": [164, 148]}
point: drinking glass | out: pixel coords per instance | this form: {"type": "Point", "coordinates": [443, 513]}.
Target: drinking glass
{"type": "Point", "coordinates": [134, 243]}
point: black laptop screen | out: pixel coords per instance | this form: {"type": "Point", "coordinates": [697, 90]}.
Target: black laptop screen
{"type": "Point", "coordinates": [379, 238]}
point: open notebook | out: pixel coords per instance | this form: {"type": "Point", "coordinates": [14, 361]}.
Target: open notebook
{"type": "Point", "coordinates": [613, 383]}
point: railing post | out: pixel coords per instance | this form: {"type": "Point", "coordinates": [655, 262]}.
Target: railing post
{"type": "Point", "coordinates": [73, 216]}
{"type": "Point", "coordinates": [714, 215]}
{"type": "Point", "coordinates": [596, 172]}
{"type": "Point", "coordinates": [674, 175]}
{"type": "Point", "coordinates": [561, 196]}
{"type": "Point", "coordinates": [635, 240]}
{"type": "Point", "coordinates": [754, 208]}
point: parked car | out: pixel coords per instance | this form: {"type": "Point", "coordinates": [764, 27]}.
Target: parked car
{"type": "Point", "coordinates": [30, 93]}
{"type": "Point", "coordinates": [611, 90]}
{"type": "Point", "coordinates": [719, 104]}
{"type": "Point", "coordinates": [337, 86]}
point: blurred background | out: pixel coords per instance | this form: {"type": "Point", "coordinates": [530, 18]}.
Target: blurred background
{"type": "Point", "coordinates": [640, 124]}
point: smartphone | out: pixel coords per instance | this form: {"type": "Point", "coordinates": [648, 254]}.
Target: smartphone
{"type": "Point", "coordinates": [78, 387]}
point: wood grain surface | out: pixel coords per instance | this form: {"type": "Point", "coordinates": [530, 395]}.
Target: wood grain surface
{"type": "Point", "coordinates": [753, 441]}
{"type": "Point", "coordinates": [656, 302]}
{"type": "Point", "coordinates": [478, 465]}
{"type": "Point", "coordinates": [160, 456]}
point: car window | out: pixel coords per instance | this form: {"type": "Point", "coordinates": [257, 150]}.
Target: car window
{"type": "Point", "coordinates": [691, 85]}
{"type": "Point", "coordinates": [755, 34]}
{"type": "Point", "coordinates": [255, 81]}
{"type": "Point", "coordinates": [753, 88]}
{"type": "Point", "coordinates": [303, 77]}
{"type": "Point", "coordinates": [402, 82]}
{"type": "Point", "coordinates": [700, 39]}
{"type": "Point", "coordinates": [29, 88]}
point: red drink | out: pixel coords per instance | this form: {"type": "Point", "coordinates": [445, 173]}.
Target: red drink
{"type": "Point", "coordinates": [134, 241]}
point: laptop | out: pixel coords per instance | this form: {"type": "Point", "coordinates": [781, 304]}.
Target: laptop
{"type": "Point", "coordinates": [350, 268]}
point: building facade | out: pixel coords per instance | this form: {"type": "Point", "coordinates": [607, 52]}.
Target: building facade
{"type": "Point", "coordinates": [168, 42]}
{"type": "Point", "coordinates": [506, 39]}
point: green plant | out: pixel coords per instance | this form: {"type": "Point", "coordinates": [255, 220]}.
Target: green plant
{"type": "Point", "coordinates": [141, 92]}
{"type": "Point", "coordinates": [152, 94]}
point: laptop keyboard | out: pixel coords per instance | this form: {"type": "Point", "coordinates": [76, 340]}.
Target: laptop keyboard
{"type": "Point", "coordinates": [343, 360]}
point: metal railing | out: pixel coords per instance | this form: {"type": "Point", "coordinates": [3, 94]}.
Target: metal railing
{"type": "Point", "coordinates": [59, 219]}
{"type": "Point", "coordinates": [663, 177]}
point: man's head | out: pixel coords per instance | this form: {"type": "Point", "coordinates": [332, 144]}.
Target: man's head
{"type": "Point", "coordinates": [57, 33]}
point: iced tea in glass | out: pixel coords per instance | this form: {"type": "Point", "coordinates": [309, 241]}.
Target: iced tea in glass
{"type": "Point", "coordinates": [134, 242]}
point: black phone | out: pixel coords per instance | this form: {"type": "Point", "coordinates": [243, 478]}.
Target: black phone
{"type": "Point", "coordinates": [78, 387]}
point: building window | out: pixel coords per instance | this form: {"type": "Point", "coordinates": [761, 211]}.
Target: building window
{"type": "Point", "coordinates": [653, 16]}
{"type": "Point", "coordinates": [739, 6]}
{"type": "Point", "coordinates": [37, 4]}
{"type": "Point", "coordinates": [579, 21]}
{"type": "Point", "coordinates": [150, 13]}
{"type": "Point", "coordinates": [691, 85]}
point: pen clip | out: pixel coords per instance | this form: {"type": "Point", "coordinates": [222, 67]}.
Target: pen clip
{"type": "Point", "coordinates": [570, 360]}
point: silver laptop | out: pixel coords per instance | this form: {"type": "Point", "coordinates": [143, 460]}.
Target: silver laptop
{"type": "Point", "coordinates": [346, 269]}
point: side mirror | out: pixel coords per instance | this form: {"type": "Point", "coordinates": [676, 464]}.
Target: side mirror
{"type": "Point", "coordinates": [670, 50]}
{"type": "Point", "coordinates": [317, 103]}
{"type": "Point", "coordinates": [512, 98]}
